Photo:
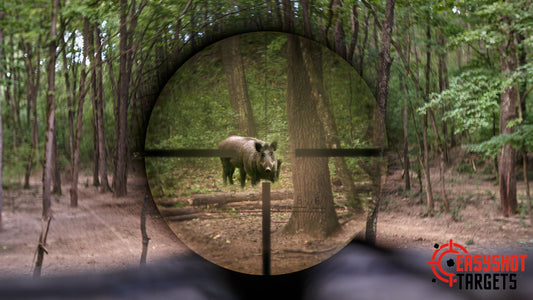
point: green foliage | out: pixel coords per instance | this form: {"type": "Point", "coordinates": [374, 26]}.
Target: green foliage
{"type": "Point", "coordinates": [472, 101]}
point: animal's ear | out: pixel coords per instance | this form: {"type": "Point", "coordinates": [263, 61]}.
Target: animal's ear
{"type": "Point", "coordinates": [258, 146]}
{"type": "Point", "coordinates": [274, 145]}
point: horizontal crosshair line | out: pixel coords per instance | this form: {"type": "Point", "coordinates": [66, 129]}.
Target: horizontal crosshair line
{"type": "Point", "coordinates": [189, 153]}
{"type": "Point", "coordinates": [324, 152]}
{"type": "Point", "coordinates": [366, 152]}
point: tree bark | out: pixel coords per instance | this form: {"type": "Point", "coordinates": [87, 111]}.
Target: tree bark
{"type": "Point", "coordinates": [32, 89]}
{"type": "Point", "coordinates": [507, 179]}
{"type": "Point", "coordinates": [41, 247]}
{"type": "Point", "coordinates": [225, 198]}
{"type": "Point", "coordinates": [1, 133]}
{"type": "Point", "coordinates": [313, 211]}
{"type": "Point", "coordinates": [522, 94]}
{"type": "Point", "coordinates": [94, 95]}
{"type": "Point", "coordinates": [362, 50]}
{"type": "Point", "coordinates": [313, 64]}
{"type": "Point", "coordinates": [104, 182]}
{"type": "Point", "coordinates": [288, 17]}
{"type": "Point", "coordinates": [380, 115]}
{"type": "Point", "coordinates": [406, 159]}
{"type": "Point", "coordinates": [429, 192]}
{"type": "Point", "coordinates": [405, 118]}
{"type": "Point", "coordinates": [50, 115]}
{"type": "Point", "coordinates": [56, 174]}
{"type": "Point", "coordinates": [338, 30]}
{"type": "Point", "coordinates": [306, 19]}
{"type": "Point", "coordinates": [120, 174]}
{"type": "Point", "coordinates": [82, 91]}
{"type": "Point", "coordinates": [144, 234]}
{"type": "Point", "coordinates": [354, 20]}
{"type": "Point", "coordinates": [237, 88]}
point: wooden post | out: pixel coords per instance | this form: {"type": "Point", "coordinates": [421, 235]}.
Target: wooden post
{"type": "Point", "coordinates": [266, 228]}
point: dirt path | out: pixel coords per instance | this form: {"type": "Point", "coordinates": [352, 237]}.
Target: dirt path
{"type": "Point", "coordinates": [474, 221]}
{"type": "Point", "coordinates": [103, 233]}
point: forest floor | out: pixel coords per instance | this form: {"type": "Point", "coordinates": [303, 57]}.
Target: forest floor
{"type": "Point", "coordinates": [103, 233]}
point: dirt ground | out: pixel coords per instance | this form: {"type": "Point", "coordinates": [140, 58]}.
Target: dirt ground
{"type": "Point", "coordinates": [103, 233]}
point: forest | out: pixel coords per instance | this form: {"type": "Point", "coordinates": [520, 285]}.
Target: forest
{"type": "Point", "coordinates": [442, 87]}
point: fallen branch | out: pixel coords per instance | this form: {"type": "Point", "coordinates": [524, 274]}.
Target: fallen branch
{"type": "Point", "coordinates": [224, 198]}
{"type": "Point", "coordinates": [178, 211]}
{"type": "Point", "coordinates": [41, 247]}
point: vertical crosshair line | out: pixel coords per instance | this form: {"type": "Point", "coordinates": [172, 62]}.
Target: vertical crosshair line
{"type": "Point", "coordinates": [266, 227]}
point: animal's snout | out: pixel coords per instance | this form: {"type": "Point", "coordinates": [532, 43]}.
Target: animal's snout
{"type": "Point", "coordinates": [268, 170]}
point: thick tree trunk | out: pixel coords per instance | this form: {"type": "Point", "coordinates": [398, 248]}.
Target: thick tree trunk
{"type": "Point", "coordinates": [237, 88]}
{"type": "Point", "coordinates": [313, 211]}
{"type": "Point", "coordinates": [506, 175]}
{"type": "Point", "coordinates": [313, 64]}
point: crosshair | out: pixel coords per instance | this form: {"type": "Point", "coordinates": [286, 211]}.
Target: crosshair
{"type": "Point", "coordinates": [436, 259]}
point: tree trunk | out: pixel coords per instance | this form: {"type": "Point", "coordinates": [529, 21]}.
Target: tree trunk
{"type": "Point", "coordinates": [441, 141]}
{"type": "Point", "coordinates": [288, 17]}
{"type": "Point", "coordinates": [76, 140]}
{"type": "Point", "coordinates": [444, 83]}
{"type": "Point", "coordinates": [56, 174]}
{"type": "Point", "coordinates": [313, 63]}
{"type": "Point", "coordinates": [70, 94]}
{"type": "Point", "coordinates": [429, 192]}
{"type": "Point", "coordinates": [380, 116]}
{"type": "Point", "coordinates": [522, 93]}
{"type": "Point", "coordinates": [237, 88]}
{"type": "Point", "coordinates": [313, 211]}
{"type": "Point", "coordinates": [104, 183]}
{"type": "Point", "coordinates": [32, 89]}
{"type": "Point", "coordinates": [338, 30]}
{"type": "Point", "coordinates": [360, 64]}
{"type": "Point", "coordinates": [306, 19]}
{"type": "Point", "coordinates": [10, 91]}
{"type": "Point", "coordinates": [526, 181]}
{"type": "Point", "coordinates": [1, 133]}
{"type": "Point", "coordinates": [354, 20]}
{"type": "Point", "coordinates": [144, 234]}
{"type": "Point", "coordinates": [406, 160]}
{"type": "Point", "coordinates": [41, 247]}
{"type": "Point", "coordinates": [507, 179]}
{"type": "Point", "coordinates": [120, 174]}
{"type": "Point", "coordinates": [94, 95]}
{"type": "Point", "coordinates": [50, 116]}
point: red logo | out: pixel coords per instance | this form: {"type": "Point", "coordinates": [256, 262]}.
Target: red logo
{"type": "Point", "coordinates": [436, 261]}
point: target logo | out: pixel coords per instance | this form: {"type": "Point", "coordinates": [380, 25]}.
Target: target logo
{"type": "Point", "coordinates": [439, 255]}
